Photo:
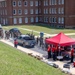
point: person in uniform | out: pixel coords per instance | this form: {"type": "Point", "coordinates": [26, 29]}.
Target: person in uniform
{"type": "Point", "coordinates": [54, 53]}
{"type": "Point", "coordinates": [72, 55]}
{"type": "Point", "coordinates": [49, 51]}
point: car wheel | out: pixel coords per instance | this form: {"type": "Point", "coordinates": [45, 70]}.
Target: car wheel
{"type": "Point", "coordinates": [23, 44]}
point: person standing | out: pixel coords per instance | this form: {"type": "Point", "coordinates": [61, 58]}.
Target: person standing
{"type": "Point", "coordinates": [37, 40]}
{"type": "Point", "coordinates": [15, 43]}
{"type": "Point", "coordinates": [49, 51]}
{"type": "Point", "coordinates": [72, 55]}
{"type": "Point", "coordinates": [54, 53]}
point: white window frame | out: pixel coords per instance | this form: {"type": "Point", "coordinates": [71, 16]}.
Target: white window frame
{"type": "Point", "coordinates": [19, 3]}
{"type": "Point", "coordinates": [26, 19]}
{"type": "Point", "coordinates": [20, 20]}
{"type": "Point", "coordinates": [14, 3]}
{"type": "Point", "coordinates": [15, 20]}
{"type": "Point", "coordinates": [20, 11]}
{"type": "Point", "coordinates": [31, 11]}
{"type": "Point", "coordinates": [32, 19]}
{"type": "Point", "coordinates": [26, 11]}
{"type": "Point", "coordinates": [15, 11]}
{"type": "Point", "coordinates": [31, 3]}
{"type": "Point", "coordinates": [36, 19]}
{"type": "Point", "coordinates": [36, 3]}
{"type": "Point", "coordinates": [26, 3]}
{"type": "Point", "coordinates": [36, 11]}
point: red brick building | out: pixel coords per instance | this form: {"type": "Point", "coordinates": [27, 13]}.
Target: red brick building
{"type": "Point", "coordinates": [56, 13]}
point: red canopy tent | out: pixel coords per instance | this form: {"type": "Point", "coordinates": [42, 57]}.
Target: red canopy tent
{"type": "Point", "coordinates": [60, 39]}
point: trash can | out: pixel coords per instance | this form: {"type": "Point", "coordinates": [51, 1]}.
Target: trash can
{"type": "Point", "coordinates": [41, 34]}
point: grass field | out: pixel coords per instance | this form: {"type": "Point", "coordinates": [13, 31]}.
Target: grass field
{"type": "Point", "coordinates": [14, 62]}
{"type": "Point", "coordinates": [42, 28]}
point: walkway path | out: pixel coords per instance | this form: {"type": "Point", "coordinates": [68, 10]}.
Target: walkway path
{"type": "Point", "coordinates": [37, 51]}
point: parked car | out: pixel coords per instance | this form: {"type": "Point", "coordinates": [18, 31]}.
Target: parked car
{"type": "Point", "coordinates": [26, 41]}
{"type": "Point", "coordinates": [15, 32]}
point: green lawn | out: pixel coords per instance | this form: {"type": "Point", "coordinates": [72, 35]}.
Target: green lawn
{"type": "Point", "coordinates": [14, 62]}
{"type": "Point", "coordinates": [40, 28]}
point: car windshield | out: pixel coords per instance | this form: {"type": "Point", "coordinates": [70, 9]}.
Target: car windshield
{"type": "Point", "coordinates": [15, 29]}
{"type": "Point", "coordinates": [27, 38]}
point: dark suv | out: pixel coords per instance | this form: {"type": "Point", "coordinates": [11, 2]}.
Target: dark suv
{"type": "Point", "coordinates": [15, 32]}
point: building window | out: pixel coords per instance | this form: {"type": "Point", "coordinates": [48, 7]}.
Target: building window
{"type": "Point", "coordinates": [2, 12]}
{"type": "Point", "coordinates": [5, 12]}
{"type": "Point", "coordinates": [52, 19]}
{"type": "Point", "coordinates": [39, 3]}
{"type": "Point", "coordinates": [15, 20]}
{"type": "Point", "coordinates": [19, 11]}
{"type": "Point", "coordinates": [39, 11]}
{"type": "Point", "coordinates": [0, 4]}
{"type": "Point", "coordinates": [36, 11]}
{"type": "Point", "coordinates": [53, 11]}
{"type": "Point", "coordinates": [26, 19]}
{"type": "Point", "coordinates": [46, 19]}
{"type": "Point", "coordinates": [31, 3]}
{"type": "Point", "coordinates": [14, 3]}
{"type": "Point", "coordinates": [46, 11]}
{"type": "Point", "coordinates": [59, 20]}
{"type": "Point", "coordinates": [5, 4]}
{"type": "Point", "coordinates": [36, 19]}
{"type": "Point", "coordinates": [59, 10]}
{"type": "Point", "coordinates": [31, 11]}
{"type": "Point", "coordinates": [46, 3]}
{"type": "Point", "coordinates": [60, 2]}
{"type": "Point", "coordinates": [20, 20]}
{"type": "Point", "coordinates": [14, 12]}
{"type": "Point", "coordinates": [62, 10]}
{"type": "Point", "coordinates": [6, 21]}
{"type": "Point", "coordinates": [50, 10]}
{"type": "Point", "coordinates": [19, 3]}
{"type": "Point", "coordinates": [32, 19]}
{"type": "Point", "coordinates": [25, 3]}
{"type": "Point", "coordinates": [52, 2]}
{"type": "Point", "coordinates": [26, 11]}
{"type": "Point", "coordinates": [36, 3]}
{"type": "Point", "coordinates": [62, 20]}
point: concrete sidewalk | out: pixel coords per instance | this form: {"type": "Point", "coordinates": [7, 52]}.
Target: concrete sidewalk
{"type": "Point", "coordinates": [37, 51]}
